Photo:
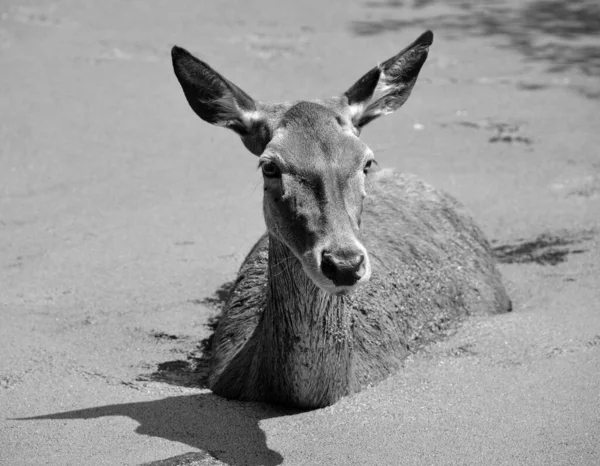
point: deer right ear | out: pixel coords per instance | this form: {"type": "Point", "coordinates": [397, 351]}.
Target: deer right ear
{"type": "Point", "coordinates": [220, 102]}
{"type": "Point", "coordinates": [387, 86]}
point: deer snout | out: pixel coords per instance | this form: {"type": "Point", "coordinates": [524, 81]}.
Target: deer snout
{"type": "Point", "coordinates": [343, 268]}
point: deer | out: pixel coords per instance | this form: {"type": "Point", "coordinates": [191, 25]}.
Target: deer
{"type": "Point", "coordinates": [360, 266]}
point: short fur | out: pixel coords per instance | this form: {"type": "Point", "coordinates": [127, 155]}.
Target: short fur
{"type": "Point", "coordinates": [287, 335]}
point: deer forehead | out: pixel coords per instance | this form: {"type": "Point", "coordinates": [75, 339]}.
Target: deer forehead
{"type": "Point", "coordinates": [312, 140]}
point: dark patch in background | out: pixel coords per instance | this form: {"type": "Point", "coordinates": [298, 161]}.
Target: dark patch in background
{"type": "Point", "coordinates": [561, 33]}
{"type": "Point", "coordinates": [545, 249]}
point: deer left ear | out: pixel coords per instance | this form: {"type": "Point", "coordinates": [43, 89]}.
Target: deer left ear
{"type": "Point", "coordinates": [387, 86]}
{"type": "Point", "coordinates": [218, 101]}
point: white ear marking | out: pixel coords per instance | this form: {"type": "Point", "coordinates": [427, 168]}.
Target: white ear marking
{"type": "Point", "coordinates": [252, 115]}
{"type": "Point", "coordinates": [229, 112]}
{"type": "Point", "coordinates": [382, 87]}
{"type": "Point", "coordinates": [356, 109]}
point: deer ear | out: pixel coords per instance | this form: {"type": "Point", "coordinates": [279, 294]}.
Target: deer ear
{"type": "Point", "coordinates": [387, 86]}
{"type": "Point", "coordinates": [220, 102]}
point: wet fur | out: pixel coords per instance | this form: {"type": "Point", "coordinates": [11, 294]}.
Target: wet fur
{"type": "Point", "coordinates": [281, 339]}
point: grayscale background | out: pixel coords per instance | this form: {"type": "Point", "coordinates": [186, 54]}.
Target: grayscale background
{"type": "Point", "coordinates": [123, 218]}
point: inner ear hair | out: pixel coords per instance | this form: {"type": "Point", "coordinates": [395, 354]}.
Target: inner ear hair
{"type": "Point", "coordinates": [228, 114]}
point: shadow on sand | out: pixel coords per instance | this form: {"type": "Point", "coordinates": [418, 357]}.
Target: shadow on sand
{"type": "Point", "coordinates": [563, 34]}
{"type": "Point", "coordinates": [224, 429]}
{"type": "Point", "coordinates": [227, 430]}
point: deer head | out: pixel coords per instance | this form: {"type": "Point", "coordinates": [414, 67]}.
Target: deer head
{"type": "Point", "coordinates": [314, 165]}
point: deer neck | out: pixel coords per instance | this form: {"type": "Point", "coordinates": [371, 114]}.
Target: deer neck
{"type": "Point", "coordinates": [307, 335]}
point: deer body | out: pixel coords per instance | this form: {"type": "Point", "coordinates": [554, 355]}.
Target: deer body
{"type": "Point", "coordinates": [359, 267]}
{"type": "Point", "coordinates": [284, 340]}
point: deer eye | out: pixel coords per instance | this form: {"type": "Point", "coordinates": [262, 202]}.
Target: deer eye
{"type": "Point", "coordinates": [270, 170]}
{"type": "Point", "coordinates": [367, 166]}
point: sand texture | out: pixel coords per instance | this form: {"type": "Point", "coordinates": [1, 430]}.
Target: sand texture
{"type": "Point", "coordinates": [123, 217]}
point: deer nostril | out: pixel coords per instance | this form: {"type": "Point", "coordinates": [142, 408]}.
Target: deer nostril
{"type": "Point", "coordinates": [343, 269]}
{"type": "Point", "coordinates": [358, 265]}
{"type": "Point", "coordinates": [328, 266]}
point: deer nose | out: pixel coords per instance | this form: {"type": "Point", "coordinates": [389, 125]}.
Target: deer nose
{"type": "Point", "coordinates": [343, 268]}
